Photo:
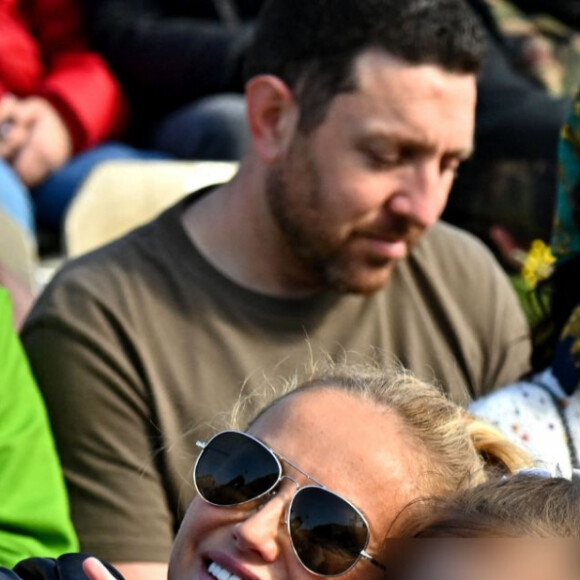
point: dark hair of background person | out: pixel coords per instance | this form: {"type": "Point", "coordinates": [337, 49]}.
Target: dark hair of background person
{"type": "Point", "coordinates": [298, 42]}
{"type": "Point", "coordinates": [523, 505]}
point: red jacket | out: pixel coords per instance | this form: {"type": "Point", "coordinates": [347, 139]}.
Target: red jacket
{"type": "Point", "coordinates": [43, 52]}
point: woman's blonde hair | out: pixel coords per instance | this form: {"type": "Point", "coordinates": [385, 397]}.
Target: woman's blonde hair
{"type": "Point", "coordinates": [459, 450]}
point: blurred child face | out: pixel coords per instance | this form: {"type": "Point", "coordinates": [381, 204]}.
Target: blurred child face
{"type": "Point", "coordinates": [490, 559]}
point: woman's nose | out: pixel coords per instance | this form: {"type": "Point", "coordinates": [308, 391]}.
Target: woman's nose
{"type": "Point", "coordinates": [260, 532]}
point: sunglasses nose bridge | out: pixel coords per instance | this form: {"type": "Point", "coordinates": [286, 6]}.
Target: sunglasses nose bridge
{"type": "Point", "coordinates": [290, 478]}
{"type": "Point", "coordinates": [289, 502]}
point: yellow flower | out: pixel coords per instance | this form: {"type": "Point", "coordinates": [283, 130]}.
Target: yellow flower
{"type": "Point", "coordinates": [539, 263]}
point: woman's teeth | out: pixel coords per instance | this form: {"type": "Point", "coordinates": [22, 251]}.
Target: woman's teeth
{"type": "Point", "coordinates": [221, 573]}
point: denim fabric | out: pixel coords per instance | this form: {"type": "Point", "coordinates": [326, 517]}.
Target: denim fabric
{"type": "Point", "coordinates": [214, 128]}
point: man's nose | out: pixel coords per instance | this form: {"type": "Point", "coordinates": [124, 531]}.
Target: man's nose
{"type": "Point", "coordinates": [423, 194]}
{"type": "Point", "coordinates": [260, 532]}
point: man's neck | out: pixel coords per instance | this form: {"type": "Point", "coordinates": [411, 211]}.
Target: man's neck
{"type": "Point", "coordinates": [233, 230]}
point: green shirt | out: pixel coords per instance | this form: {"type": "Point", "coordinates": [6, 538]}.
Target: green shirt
{"type": "Point", "coordinates": [34, 514]}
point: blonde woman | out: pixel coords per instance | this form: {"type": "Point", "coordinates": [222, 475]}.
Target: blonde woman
{"type": "Point", "coordinates": [314, 483]}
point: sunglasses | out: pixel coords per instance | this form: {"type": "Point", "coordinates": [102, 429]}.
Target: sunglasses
{"type": "Point", "coordinates": [329, 534]}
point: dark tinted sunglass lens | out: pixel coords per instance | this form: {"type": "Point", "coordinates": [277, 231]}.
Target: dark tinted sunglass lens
{"type": "Point", "coordinates": [234, 468]}
{"type": "Point", "coordinates": [328, 534]}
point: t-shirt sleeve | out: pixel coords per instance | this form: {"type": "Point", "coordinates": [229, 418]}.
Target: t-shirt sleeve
{"type": "Point", "coordinates": [34, 515]}
{"type": "Point", "coordinates": [88, 370]}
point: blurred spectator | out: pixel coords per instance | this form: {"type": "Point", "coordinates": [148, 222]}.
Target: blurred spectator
{"type": "Point", "coordinates": [34, 519]}
{"type": "Point", "coordinates": [517, 118]}
{"type": "Point", "coordinates": [543, 412]}
{"type": "Point", "coordinates": [181, 64]}
{"type": "Point", "coordinates": [58, 101]}
{"type": "Point", "coordinates": [568, 11]}
{"type": "Point", "coordinates": [543, 41]}
{"type": "Point", "coordinates": [505, 194]}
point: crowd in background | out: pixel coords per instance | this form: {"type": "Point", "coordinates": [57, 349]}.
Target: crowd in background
{"type": "Point", "coordinates": [166, 80]}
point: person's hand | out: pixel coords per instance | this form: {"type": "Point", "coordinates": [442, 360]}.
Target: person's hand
{"type": "Point", "coordinates": [49, 144]}
{"type": "Point", "coordinates": [95, 570]}
{"type": "Point", "coordinates": [13, 132]}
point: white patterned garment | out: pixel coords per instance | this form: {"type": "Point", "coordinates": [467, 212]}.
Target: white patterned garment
{"type": "Point", "coordinates": [529, 416]}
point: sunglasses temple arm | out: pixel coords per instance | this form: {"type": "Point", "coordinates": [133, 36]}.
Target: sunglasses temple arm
{"type": "Point", "coordinates": [376, 563]}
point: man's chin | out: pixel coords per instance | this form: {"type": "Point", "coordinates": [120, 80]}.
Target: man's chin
{"type": "Point", "coordinates": [362, 281]}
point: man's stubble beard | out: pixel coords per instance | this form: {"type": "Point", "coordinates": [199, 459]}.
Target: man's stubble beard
{"type": "Point", "coordinates": [321, 262]}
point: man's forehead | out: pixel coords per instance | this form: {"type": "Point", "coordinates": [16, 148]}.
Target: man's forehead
{"type": "Point", "coordinates": [376, 70]}
{"type": "Point", "coordinates": [413, 104]}
{"type": "Point", "coordinates": [377, 58]}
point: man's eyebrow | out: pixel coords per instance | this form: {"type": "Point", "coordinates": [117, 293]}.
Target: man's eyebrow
{"type": "Point", "coordinates": [462, 154]}
{"type": "Point", "coordinates": [411, 144]}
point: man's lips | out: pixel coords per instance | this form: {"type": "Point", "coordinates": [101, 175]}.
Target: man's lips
{"type": "Point", "coordinates": [388, 248]}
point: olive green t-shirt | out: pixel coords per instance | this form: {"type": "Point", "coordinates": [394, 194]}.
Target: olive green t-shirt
{"type": "Point", "coordinates": [34, 515]}
{"type": "Point", "coordinates": [140, 344]}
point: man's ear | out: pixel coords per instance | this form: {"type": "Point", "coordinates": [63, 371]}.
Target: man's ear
{"type": "Point", "coordinates": [272, 115]}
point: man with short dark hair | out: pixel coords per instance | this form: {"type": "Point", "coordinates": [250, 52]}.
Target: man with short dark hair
{"type": "Point", "coordinates": [360, 113]}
